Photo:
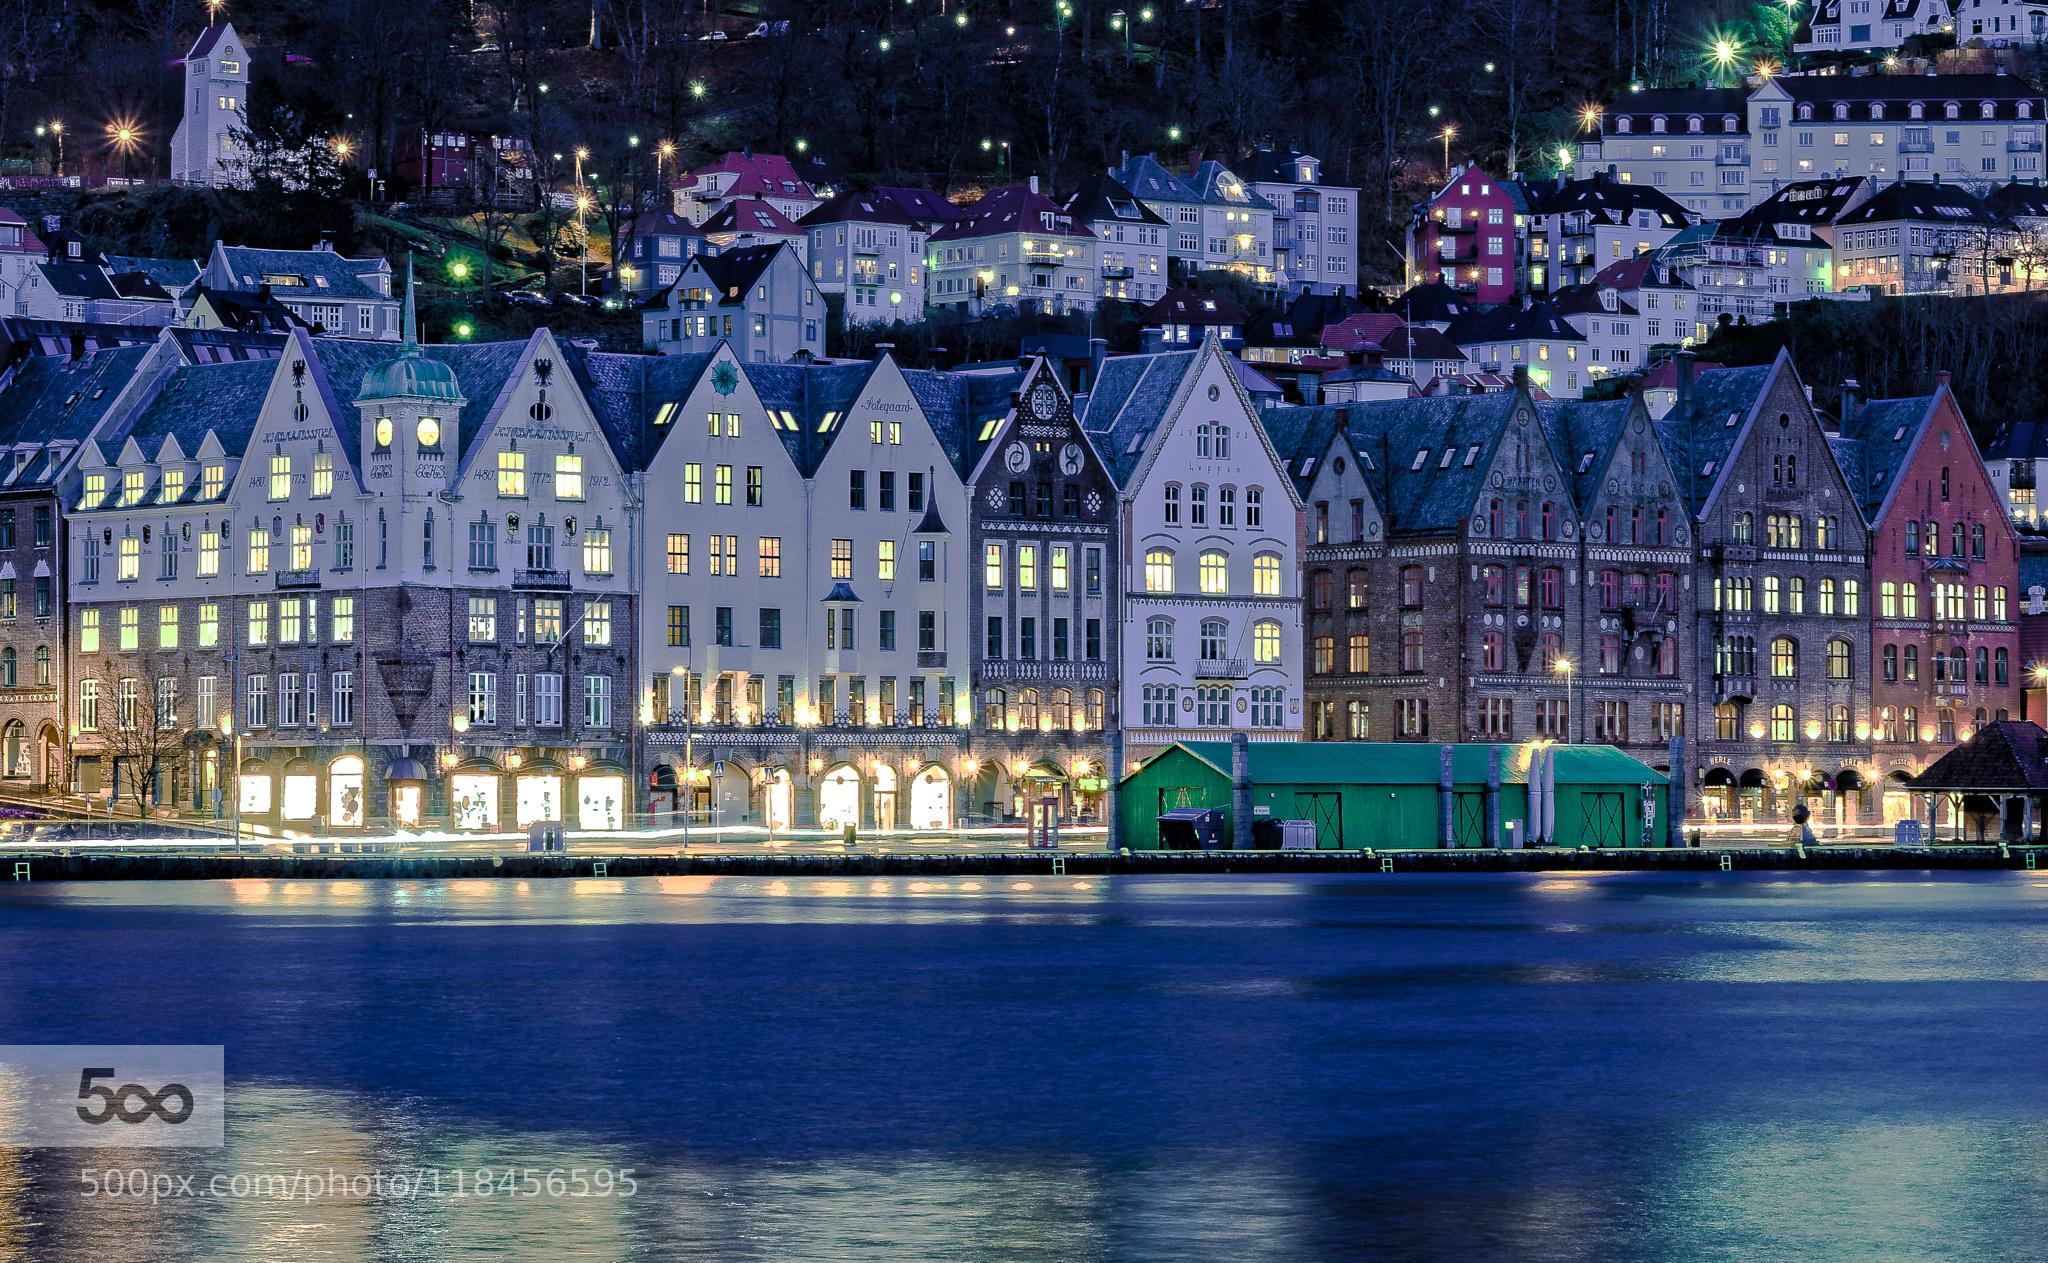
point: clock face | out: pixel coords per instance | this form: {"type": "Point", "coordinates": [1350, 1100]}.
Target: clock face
{"type": "Point", "coordinates": [1045, 401]}
{"type": "Point", "coordinates": [1070, 459]}
{"type": "Point", "coordinates": [383, 431]}
{"type": "Point", "coordinates": [429, 432]}
{"type": "Point", "coordinates": [1017, 457]}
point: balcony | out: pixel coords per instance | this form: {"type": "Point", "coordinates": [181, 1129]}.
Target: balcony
{"type": "Point", "coordinates": [2023, 146]}
{"type": "Point", "coordinates": [1224, 669]}
{"type": "Point", "coordinates": [298, 578]}
{"type": "Point", "coordinates": [1735, 159]}
{"type": "Point", "coordinates": [931, 659]}
{"type": "Point", "coordinates": [557, 580]}
{"type": "Point", "coordinates": [1916, 146]}
{"type": "Point", "coordinates": [1117, 272]}
{"type": "Point", "coordinates": [1050, 253]}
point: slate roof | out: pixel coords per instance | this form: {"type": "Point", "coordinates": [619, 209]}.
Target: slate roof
{"type": "Point", "coordinates": [864, 208]}
{"type": "Point", "coordinates": [1129, 401]}
{"type": "Point", "coordinates": [1583, 435]}
{"type": "Point", "coordinates": [2005, 92]}
{"type": "Point", "coordinates": [1945, 204]}
{"type": "Point", "coordinates": [174, 275]}
{"type": "Point", "coordinates": [1885, 433]}
{"type": "Point", "coordinates": [1192, 307]}
{"type": "Point", "coordinates": [1702, 438]}
{"type": "Point", "coordinates": [627, 392]}
{"type": "Point", "coordinates": [760, 175]}
{"type": "Point", "coordinates": [1432, 303]}
{"type": "Point", "coordinates": [247, 267]}
{"type": "Point", "coordinates": [1218, 185]}
{"type": "Point", "coordinates": [1013, 208]}
{"type": "Point", "coordinates": [1101, 199]}
{"type": "Point", "coordinates": [208, 38]}
{"type": "Point", "coordinates": [249, 311]}
{"type": "Point", "coordinates": [1711, 104]}
{"type": "Point", "coordinates": [1586, 300]}
{"type": "Point", "coordinates": [922, 205]}
{"type": "Point", "coordinates": [51, 400]}
{"type": "Point", "coordinates": [2018, 201]}
{"type": "Point", "coordinates": [26, 335]}
{"type": "Point", "coordinates": [1148, 179]}
{"type": "Point", "coordinates": [140, 287]}
{"type": "Point", "coordinates": [2020, 440]}
{"type": "Point", "coordinates": [1301, 437]}
{"type": "Point", "coordinates": [1435, 498]}
{"type": "Point", "coordinates": [1374, 327]}
{"type": "Point", "coordinates": [1632, 274]}
{"type": "Point", "coordinates": [817, 397]}
{"type": "Point", "coordinates": [1602, 194]}
{"type": "Point", "coordinates": [78, 280]}
{"type": "Point", "coordinates": [226, 399]}
{"type": "Point", "coordinates": [957, 404]}
{"type": "Point", "coordinates": [1813, 202]}
{"type": "Point", "coordinates": [2003, 754]}
{"type": "Point", "coordinates": [219, 346]}
{"type": "Point", "coordinates": [1271, 166]}
{"type": "Point", "coordinates": [663, 223]}
{"type": "Point", "coordinates": [1510, 323]}
{"type": "Point", "coordinates": [731, 273]}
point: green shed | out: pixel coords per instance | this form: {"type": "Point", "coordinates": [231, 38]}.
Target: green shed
{"type": "Point", "coordinates": [1362, 794]}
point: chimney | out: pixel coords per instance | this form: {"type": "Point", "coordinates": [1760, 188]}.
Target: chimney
{"type": "Point", "coordinates": [78, 345]}
{"type": "Point", "coordinates": [1685, 361]}
{"type": "Point", "coordinates": [1194, 160]}
{"type": "Point", "coordinates": [1613, 173]}
{"type": "Point", "coordinates": [1852, 400]}
{"type": "Point", "coordinates": [1941, 379]}
{"type": "Point", "coordinates": [1521, 377]}
{"type": "Point", "coordinates": [1098, 351]}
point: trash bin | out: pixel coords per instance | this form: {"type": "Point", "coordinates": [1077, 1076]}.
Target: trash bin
{"type": "Point", "coordinates": [1192, 829]}
{"type": "Point", "coordinates": [847, 835]}
{"type": "Point", "coordinates": [1297, 835]}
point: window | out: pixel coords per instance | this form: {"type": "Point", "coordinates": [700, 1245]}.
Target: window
{"type": "Point", "coordinates": [129, 567]}
{"type": "Point", "coordinates": [693, 483]}
{"type": "Point", "coordinates": [1840, 666]}
{"type": "Point", "coordinates": [679, 554]}
{"type": "Point", "coordinates": [1172, 504]}
{"type": "Point", "coordinates": [1784, 662]}
{"type": "Point", "coordinates": [721, 492]}
{"type": "Point", "coordinates": [992, 567]}
{"type": "Point", "coordinates": [753, 486]}
{"type": "Point", "coordinates": [597, 701]}
{"type": "Point", "coordinates": [344, 545]}
{"type": "Point", "coordinates": [1266, 575]}
{"type": "Point", "coordinates": [280, 477]}
{"type": "Point", "coordinates": [323, 473]}
{"type": "Point", "coordinates": [770, 556]}
{"type": "Point", "coordinates": [842, 559]}
{"type": "Point", "coordinates": [1059, 567]}
{"type": "Point", "coordinates": [512, 474]}
{"type": "Point", "coordinates": [1784, 722]}
{"type": "Point", "coordinates": [341, 701]}
{"type": "Point", "coordinates": [547, 699]}
{"type": "Point", "coordinates": [483, 546]}
{"type": "Point", "coordinates": [679, 626]}
{"type": "Point", "coordinates": [89, 705]}
{"type": "Point", "coordinates": [483, 620]}
{"type": "Point", "coordinates": [1254, 501]}
{"type": "Point", "coordinates": [342, 617]}
{"type": "Point", "coordinates": [1411, 587]}
{"type": "Point", "coordinates": [167, 627]}
{"type": "Point", "coordinates": [568, 476]}
{"type": "Point", "coordinates": [259, 550]}
{"type": "Point", "coordinates": [1158, 570]}
{"type": "Point", "coordinates": [256, 702]}
{"type": "Point", "coordinates": [209, 552]}
{"type": "Point", "coordinates": [597, 551]}
{"type": "Point", "coordinates": [1158, 640]}
{"type": "Point", "coordinates": [1027, 567]}
{"type": "Point", "coordinates": [302, 547]}
{"type": "Point", "coordinates": [1214, 574]}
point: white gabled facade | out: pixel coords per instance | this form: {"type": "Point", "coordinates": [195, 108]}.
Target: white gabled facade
{"type": "Point", "coordinates": [1211, 635]}
{"type": "Point", "coordinates": [216, 107]}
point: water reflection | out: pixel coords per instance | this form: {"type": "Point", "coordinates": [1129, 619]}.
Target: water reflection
{"type": "Point", "coordinates": [1626, 1066]}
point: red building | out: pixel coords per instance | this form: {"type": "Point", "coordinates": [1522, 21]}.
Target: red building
{"type": "Point", "coordinates": [1944, 568]}
{"type": "Point", "coordinates": [1466, 237]}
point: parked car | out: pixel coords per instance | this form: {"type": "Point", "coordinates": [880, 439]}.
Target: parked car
{"type": "Point", "coordinates": [717, 35]}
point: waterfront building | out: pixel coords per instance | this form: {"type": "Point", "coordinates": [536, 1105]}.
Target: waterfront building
{"type": "Point", "coordinates": [1781, 651]}
{"type": "Point", "coordinates": [806, 586]}
{"type": "Point", "coordinates": [1212, 537]}
{"type": "Point", "coordinates": [276, 556]}
{"type": "Point", "coordinates": [1945, 580]}
{"type": "Point", "coordinates": [1045, 609]}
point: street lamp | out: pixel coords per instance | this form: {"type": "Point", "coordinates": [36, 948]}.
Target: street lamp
{"type": "Point", "coordinates": [689, 739]}
{"type": "Point", "coordinates": [583, 269]}
{"type": "Point", "coordinates": [2039, 672]}
{"type": "Point", "coordinates": [57, 130]}
{"type": "Point", "coordinates": [227, 729]}
{"type": "Point", "coordinates": [1448, 134]}
{"type": "Point", "coordinates": [1722, 54]}
{"type": "Point", "coordinates": [1563, 666]}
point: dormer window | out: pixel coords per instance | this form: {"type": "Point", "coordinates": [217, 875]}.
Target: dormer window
{"type": "Point", "coordinates": [1989, 110]}
{"type": "Point", "coordinates": [95, 491]}
{"type": "Point", "coordinates": [1841, 110]}
{"type": "Point", "coordinates": [1805, 113]}
{"type": "Point", "coordinates": [1952, 110]}
{"type": "Point", "coordinates": [1693, 124]}
{"type": "Point", "coordinates": [213, 481]}
{"type": "Point", "coordinates": [2026, 109]}
{"type": "Point", "coordinates": [1728, 123]}
{"type": "Point", "coordinates": [1876, 111]}
{"type": "Point", "coordinates": [133, 484]}
{"type": "Point", "coordinates": [1657, 123]}
{"type": "Point", "coordinates": [74, 249]}
{"type": "Point", "coordinates": [173, 488]}
{"type": "Point", "coordinates": [1622, 124]}
{"type": "Point", "coordinates": [1916, 111]}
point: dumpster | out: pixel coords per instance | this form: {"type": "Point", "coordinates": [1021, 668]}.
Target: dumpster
{"type": "Point", "coordinates": [1193, 829]}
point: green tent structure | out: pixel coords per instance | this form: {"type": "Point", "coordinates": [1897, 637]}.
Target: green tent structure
{"type": "Point", "coordinates": [1389, 795]}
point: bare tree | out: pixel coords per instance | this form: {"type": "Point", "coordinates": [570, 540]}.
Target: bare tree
{"type": "Point", "coordinates": [140, 728]}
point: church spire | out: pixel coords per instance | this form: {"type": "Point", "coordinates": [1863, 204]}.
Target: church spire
{"type": "Point", "coordinates": [412, 338]}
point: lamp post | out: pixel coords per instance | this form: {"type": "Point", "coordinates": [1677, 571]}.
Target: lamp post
{"type": "Point", "coordinates": [1563, 666]}
{"type": "Point", "coordinates": [2039, 674]}
{"type": "Point", "coordinates": [1448, 134]}
{"type": "Point", "coordinates": [228, 729]}
{"type": "Point", "coordinates": [57, 130]}
{"type": "Point", "coordinates": [689, 741]}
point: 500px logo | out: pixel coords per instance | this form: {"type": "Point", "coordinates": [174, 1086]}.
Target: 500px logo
{"type": "Point", "coordinates": [112, 1095]}
{"type": "Point", "coordinates": [116, 1099]}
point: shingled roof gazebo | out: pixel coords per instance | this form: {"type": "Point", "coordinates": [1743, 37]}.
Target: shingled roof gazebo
{"type": "Point", "coordinates": [2003, 762]}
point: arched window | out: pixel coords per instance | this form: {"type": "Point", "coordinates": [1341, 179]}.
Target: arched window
{"type": "Point", "coordinates": [1805, 113]}
{"type": "Point", "coordinates": [1266, 641]}
{"type": "Point", "coordinates": [1062, 710]}
{"type": "Point", "coordinates": [1999, 667]}
{"type": "Point", "coordinates": [1952, 110]}
{"type": "Point", "coordinates": [1215, 639]}
{"type": "Point", "coordinates": [1876, 111]}
{"type": "Point", "coordinates": [1795, 595]}
{"type": "Point", "coordinates": [1215, 573]}
{"type": "Point", "coordinates": [1411, 587]}
{"type": "Point", "coordinates": [1623, 124]}
{"type": "Point", "coordinates": [1495, 513]}
{"type": "Point", "coordinates": [1027, 709]}
{"type": "Point", "coordinates": [1827, 597]}
{"type": "Point", "coordinates": [1693, 124]}
{"type": "Point", "coordinates": [1838, 723]}
{"type": "Point", "coordinates": [1204, 433]}
{"type": "Point", "coordinates": [1945, 725]}
{"type": "Point", "coordinates": [1172, 504]}
{"type": "Point", "coordinates": [1840, 665]}
{"type": "Point", "coordinates": [1977, 542]}
{"type": "Point", "coordinates": [1912, 539]}
{"type": "Point", "coordinates": [1841, 110]}
{"type": "Point", "coordinates": [1266, 575]}
{"type": "Point", "coordinates": [1987, 110]}
{"type": "Point", "coordinates": [1159, 570]}
{"type": "Point", "coordinates": [1657, 123]}
{"type": "Point", "coordinates": [1357, 584]}
{"type": "Point", "coordinates": [1916, 111]}
{"type": "Point", "coordinates": [1494, 650]}
{"type": "Point", "coordinates": [995, 713]}
{"type": "Point", "coordinates": [1158, 640]}
{"type": "Point", "coordinates": [1096, 699]}
{"type": "Point", "coordinates": [1663, 526]}
{"type": "Point", "coordinates": [1784, 722]}
{"type": "Point", "coordinates": [1550, 652]}
{"type": "Point", "coordinates": [1358, 653]}
{"type": "Point", "coordinates": [1784, 657]}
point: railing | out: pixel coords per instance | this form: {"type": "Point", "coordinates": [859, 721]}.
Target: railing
{"type": "Point", "coordinates": [931, 659]}
{"type": "Point", "coordinates": [2023, 146]}
{"type": "Point", "coordinates": [1045, 252]}
{"type": "Point", "coordinates": [1117, 272]}
{"type": "Point", "coordinates": [540, 578]}
{"type": "Point", "coordinates": [298, 578]}
{"type": "Point", "coordinates": [1224, 669]}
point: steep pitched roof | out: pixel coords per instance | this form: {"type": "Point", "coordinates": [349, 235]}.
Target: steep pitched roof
{"type": "Point", "coordinates": [2018, 201]}
{"type": "Point", "coordinates": [2003, 754]}
{"type": "Point", "coordinates": [864, 208]}
{"type": "Point", "coordinates": [1274, 166]}
{"type": "Point", "coordinates": [1583, 435]}
{"type": "Point", "coordinates": [664, 223]}
{"type": "Point", "coordinates": [1219, 186]}
{"type": "Point", "coordinates": [1147, 178]}
{"type": "Point", "coordinates": [922, 205]}
{"type": "Point", "coordinates": [626, 393]}
{"type": "Point", "coordinates": [1013, 208]}
{"type": "Point", "coordinates": [483, 369]}
{"type": "Point", "coordinates": [759, 175]}
{"type": "Point", "coordinates": [1129, 402]}
{"type": "Point", "coordinates": [1101, 199]}
{"type": "Point", "coordinates": [343, 277]}
{"type": "Point", "coordinates": [1812, 202]}
{"type": "Point", "coordinates": [746, 214]}
{"type": "Point", "coordinates": [958, 404]}
{"type": "Point", "coordinates": [1510, 323]}
{"type": "Point", "coordinates": [78, 280]}
{"type": "Point", "coordinates": [1601, 194]}
{"type": "Point", "coordinates": [224, 399]}
{"type": "Point", "coordinates": [1192, 307]}
{"type": "Point", "coordinates": [173, 274]}
{"type": "Point", "coordinates": [1945, 204]}
{"type": "Point", "coordinates": [1404, 442]}
{"type": "Point", "coordinates": [1373, 326]}
{"type": "Point", "coordinates": [51, 399]}
{"type": "Point", "coordinates": [1432, 303]}
{"type": "Point", "coordinates": [1700, 436]}
{"type": "Point", "coordinates": [1886, 431]}
{"type": "Point", "coordinates": [1302, 435]}
{"type": "Point", "coordinates": [1628, 275]}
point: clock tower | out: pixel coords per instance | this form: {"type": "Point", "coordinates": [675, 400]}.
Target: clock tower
{"type": "Point", "coordinates": [411, 433]}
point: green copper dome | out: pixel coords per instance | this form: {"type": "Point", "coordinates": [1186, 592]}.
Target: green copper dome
{"type": "Point", "coordinates": [411, 375]}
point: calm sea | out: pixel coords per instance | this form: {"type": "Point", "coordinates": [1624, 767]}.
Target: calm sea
{"type": "Point", "coordinates": [1620, 1066]}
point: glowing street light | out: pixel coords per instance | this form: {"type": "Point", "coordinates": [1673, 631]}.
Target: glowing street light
{"type": "Point", "coordinates": [1173, 133]}
{"type": "Point", "coordinates": [1723, 53]}
{"type": "Point", "coordinates": [1589, 117]}
{"type": "Point", "coordinates": [463, 329]}
{"type": "Point", "coordinates": [1564, 667]}
{"type": "Point", "coordinates": [1447, 135]}
{"type": "Point", "coordinates": [126, 138]}
{"type": "Point", "coordinates": [342, 148]}
{"type": "Point", "coordinates": [960, 18]}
